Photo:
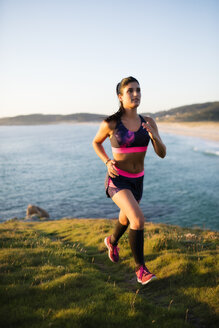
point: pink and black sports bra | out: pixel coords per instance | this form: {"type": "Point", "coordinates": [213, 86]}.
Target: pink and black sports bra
{"type": "Point", "coordinates": [126, 141]}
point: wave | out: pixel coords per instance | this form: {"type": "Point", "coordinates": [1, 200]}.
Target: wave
{"type": "Point", "coordinates": [210, 152]}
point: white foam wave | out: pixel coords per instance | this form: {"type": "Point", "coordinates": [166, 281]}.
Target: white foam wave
{"type": "Point", "coordinates": [212, 152]}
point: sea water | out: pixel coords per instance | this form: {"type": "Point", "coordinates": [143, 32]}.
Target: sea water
{"type": "Point", "coordinates": [56, 168]}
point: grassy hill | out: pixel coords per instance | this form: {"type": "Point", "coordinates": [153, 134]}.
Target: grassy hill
{"type": "Point", "coordinates": [39, 119]}
{"type": "Point", "coordinates": [57, 274]}
{"type": "Point", "coordinates": [189, 113]}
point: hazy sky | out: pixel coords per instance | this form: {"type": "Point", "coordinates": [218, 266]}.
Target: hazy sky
{"type": "Point", "coordinates": [67, 56]}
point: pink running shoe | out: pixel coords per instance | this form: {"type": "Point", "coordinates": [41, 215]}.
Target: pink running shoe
{"type": "Point", "coordinates": [113, 250]}
{"type": "Point", "coordinates": [144, 276]}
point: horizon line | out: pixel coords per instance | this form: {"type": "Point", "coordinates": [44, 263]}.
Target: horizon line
{"type": "Point", "coordinates": [89, 113]}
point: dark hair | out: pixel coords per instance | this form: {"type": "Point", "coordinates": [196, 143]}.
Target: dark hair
{"type": "Point", "coordinates": [124, 82]}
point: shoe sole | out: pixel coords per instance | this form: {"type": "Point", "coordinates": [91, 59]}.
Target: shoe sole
{"type": "Point", "coordinates": [145, 283]}
{"type": "Point", "coordinates": [105, 242]}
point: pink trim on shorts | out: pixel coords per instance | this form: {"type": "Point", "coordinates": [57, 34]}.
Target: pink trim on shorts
{"type": "Point", "coordinates": [111, 184]}
{"type": "Point", "coordinates": [122, 150]}
{"type": "Point", "coordinates": [130, 175]}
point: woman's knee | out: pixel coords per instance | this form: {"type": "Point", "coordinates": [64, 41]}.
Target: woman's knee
{"type": "Point", "coordinates": [137, 223]}
{"type": "Point", "coordinates": [123, 218]}
{"type": "Point", "coordinates": [124, 221]}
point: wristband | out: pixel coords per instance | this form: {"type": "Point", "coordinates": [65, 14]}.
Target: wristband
{"type": "Point", "coordinates": [107, 161]}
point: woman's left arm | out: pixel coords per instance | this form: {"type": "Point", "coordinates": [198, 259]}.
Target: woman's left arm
{"type": "Point", "coordinates": [151, 127]}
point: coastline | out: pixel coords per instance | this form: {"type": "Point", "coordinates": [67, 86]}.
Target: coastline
{"type": "Point", "coordinates": [204, 130]}
{"type": "Point", "coordinates": [208, 130]}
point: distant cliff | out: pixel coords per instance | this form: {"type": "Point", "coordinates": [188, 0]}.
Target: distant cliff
{"type": "Point", "coordinates": [197, 112]}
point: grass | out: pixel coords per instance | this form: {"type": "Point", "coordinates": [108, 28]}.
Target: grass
{"type": "Point", "coordinates": [57, 274]}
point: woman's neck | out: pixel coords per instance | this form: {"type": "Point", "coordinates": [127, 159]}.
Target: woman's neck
{"type": "Point", "coordinates": [130, 113]}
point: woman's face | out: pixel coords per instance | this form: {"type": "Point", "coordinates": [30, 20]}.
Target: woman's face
{"type": "Point", "coordinates": [130, 95]}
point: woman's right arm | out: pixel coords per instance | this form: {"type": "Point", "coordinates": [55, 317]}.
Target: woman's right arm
{"type": "Point", "coordinates": [104, 132]}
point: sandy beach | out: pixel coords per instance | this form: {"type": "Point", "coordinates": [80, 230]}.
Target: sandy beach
{"type": "Point", "coordinates": [205, 130]}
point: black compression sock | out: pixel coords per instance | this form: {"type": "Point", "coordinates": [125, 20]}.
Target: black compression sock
{"type": "Point", "coordinates": [118, 232]}
{"type": "Point", "coordinates": [136, 240]}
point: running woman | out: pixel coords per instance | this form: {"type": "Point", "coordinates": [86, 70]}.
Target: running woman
{"type": "Point", "coordinates": [129, 135]}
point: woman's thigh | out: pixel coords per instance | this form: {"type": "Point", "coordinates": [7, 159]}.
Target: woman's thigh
{"type": "Point", "coordinates": [125, 200]}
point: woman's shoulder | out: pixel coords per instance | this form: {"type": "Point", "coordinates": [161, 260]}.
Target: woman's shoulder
{"type": "Point", "coordinates": [149, 119]}
{"type": "Point", "coordinates": [111, 125]}
{"type": "Point", "coordinates": [107, 128]}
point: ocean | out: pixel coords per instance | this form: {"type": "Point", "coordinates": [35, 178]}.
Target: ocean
{"type": "Point", "coordinates": [56, 168]}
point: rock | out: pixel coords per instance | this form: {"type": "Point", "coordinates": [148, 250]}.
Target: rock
{"type": "Point", "coordinates": [13, 219]}
{"type": "Point", "coordinates": [34, 212]}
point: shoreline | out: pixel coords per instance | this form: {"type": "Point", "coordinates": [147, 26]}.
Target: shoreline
{"type": "Point", "coordinates": [207, 130]}
{"type": "Point", "coordinates": [203, 130]}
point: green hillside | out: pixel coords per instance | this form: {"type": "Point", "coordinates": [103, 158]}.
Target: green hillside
{"type": "Point", "coordinates": [58, 274]}
{"type": "Point", "coordinates": [190, 113]}
{"type": "Point", "coordinates": [41, 119]}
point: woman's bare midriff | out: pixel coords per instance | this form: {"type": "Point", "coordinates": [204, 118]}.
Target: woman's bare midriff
{"type": "Point", "coordinates": [132, 163]}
